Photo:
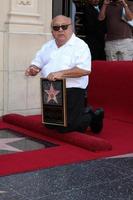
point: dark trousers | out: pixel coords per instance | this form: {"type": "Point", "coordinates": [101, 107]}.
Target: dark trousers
{"type": "Point", "coordinates": [77, 119]}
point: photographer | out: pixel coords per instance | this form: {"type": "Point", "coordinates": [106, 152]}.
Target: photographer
{"type": "Point", "coordinates": [119, 38]}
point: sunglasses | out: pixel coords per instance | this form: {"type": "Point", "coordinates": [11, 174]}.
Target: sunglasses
{"type": "Point", "coordinates": [63, 27]}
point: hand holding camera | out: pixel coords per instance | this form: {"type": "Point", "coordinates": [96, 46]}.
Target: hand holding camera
{"type": "Point", "coordinates": [123, 3]}
{"type": "Point", "coordinates": [106, 2]}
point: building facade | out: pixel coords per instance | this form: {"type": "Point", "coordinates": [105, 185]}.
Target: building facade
{"type": "Point", "coordinates": [24, 27]}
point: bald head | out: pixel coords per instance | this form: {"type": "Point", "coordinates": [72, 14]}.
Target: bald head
{"type": "Point", "coordinates": [60, 18]}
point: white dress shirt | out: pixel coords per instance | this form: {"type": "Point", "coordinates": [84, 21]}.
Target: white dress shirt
{"type": "Point", "coordinates": [75, 53]}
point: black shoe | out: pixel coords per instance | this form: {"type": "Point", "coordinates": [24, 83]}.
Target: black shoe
{"type": "Point", "coordinates": [97, 121]}
{"type": "Point", "coordinates": [88, 109]}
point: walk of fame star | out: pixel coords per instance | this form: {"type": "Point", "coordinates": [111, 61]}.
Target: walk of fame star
{"type": "Point", "coordinates": [52, 93]}
{"type": "Point", "coordinates": [4, 144]}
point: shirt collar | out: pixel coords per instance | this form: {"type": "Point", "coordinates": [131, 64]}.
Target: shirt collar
{"type": "Point", "coordinates": [71, 40]}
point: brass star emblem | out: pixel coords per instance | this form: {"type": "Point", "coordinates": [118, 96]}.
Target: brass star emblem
{"type": "Point", "coordinates": [52, 93]}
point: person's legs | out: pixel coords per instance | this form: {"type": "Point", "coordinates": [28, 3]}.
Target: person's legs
{"type": "Point", "coordinates": [119, 50]}
{"type": "Point", "coordinates": [75, 110]}
{"type": "Point", "coordinates": [79, 118]}
{"type": "Point", "coordinates": [110, 51]}
{"type": "Point", "coordinates": [126, 49]}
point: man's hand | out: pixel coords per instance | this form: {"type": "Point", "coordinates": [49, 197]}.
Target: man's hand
{"type": "Point", "coordinates": [106, 2]}
{"type": "Point", "coordinates": [53, 76]}
{"type": "Point", "coordinates": [102, 13]}
{"type": "Point", "coordinates": [32, 70]}
{"type": "Point", "coordinates": [74, 72]}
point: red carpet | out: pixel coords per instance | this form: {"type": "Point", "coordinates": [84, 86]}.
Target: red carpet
{"type": "Point", "coordinates": [73, 147]}
{"type": "Point", "coordinates": [110, 87]}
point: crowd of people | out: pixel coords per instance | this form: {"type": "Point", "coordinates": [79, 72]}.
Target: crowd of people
{"type": "Point", "coordinates": [119, 35]}
{"type": "Point", "coordinates": [109, 29]}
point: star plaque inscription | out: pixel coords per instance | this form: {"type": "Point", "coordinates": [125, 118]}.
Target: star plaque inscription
{"type": "Point", "coordinates": [53, 98]}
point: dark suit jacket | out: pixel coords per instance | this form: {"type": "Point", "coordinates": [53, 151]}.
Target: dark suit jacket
{"type": "Point", "coordinates": [94, 31]}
